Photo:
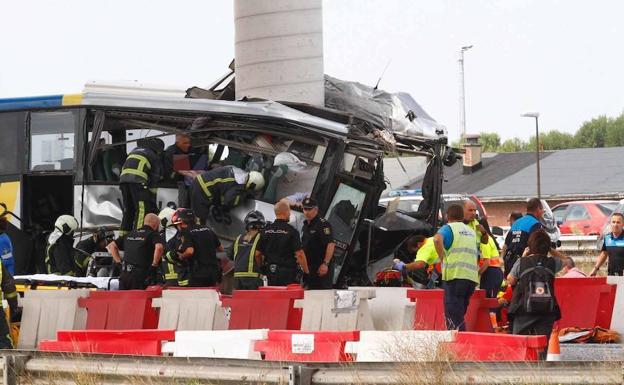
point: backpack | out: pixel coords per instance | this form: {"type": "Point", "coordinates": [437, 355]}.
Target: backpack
{"type": "Point", "coordinates": [388, 278]}
{"type": "Point", "coordinates": [538, 295]}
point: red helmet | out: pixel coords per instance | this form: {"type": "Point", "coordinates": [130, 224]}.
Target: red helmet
{"type": "Point", "coordinates": [183, 215]}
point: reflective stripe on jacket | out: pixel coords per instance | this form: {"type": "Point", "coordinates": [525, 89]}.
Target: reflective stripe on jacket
{"type": "Point", "coordinates": [244, 257]}
{"type": "Point", "coordinates": [461, 258]}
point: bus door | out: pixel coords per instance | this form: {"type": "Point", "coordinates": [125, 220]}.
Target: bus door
{"type": "Point", "coordinates": [349, 200]}
{"type": "Point", "coordinates": [52, 162]}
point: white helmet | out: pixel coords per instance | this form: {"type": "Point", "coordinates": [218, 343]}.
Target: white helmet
{"type": "Point", "coordinates": [166, 216]}
{"type": "Point", "coordinates": [67, 224]}
{"type": "Point", "coordinates": [255, 181]}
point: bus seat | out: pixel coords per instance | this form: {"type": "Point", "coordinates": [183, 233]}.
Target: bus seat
{"type": "Point", "coordinates": [112, 160]}
{"type": "Point", "coordinates": [270, 192]}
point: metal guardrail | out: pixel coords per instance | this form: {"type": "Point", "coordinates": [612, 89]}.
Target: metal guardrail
{"type": "Point", "coordinates": [579, 243]}
{"type": "Point", "coordinates": [46, 368]}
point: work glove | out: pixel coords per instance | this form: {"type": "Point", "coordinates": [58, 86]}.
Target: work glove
{"type": "Point", "coordinates": [15, 311]}
{"type": "Point", "coordinates": [398, 265]}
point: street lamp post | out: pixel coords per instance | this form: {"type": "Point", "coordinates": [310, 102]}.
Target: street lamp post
{"type": "Point", "coordinates": [462, 92]}
{"type": "Point", "coordinates": [536, 116]}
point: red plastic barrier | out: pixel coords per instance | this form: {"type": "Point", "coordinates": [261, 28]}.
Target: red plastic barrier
{"type": "Point", "coordinates": [470, 346]}
{"type": "Point", "coordinates": [265, 309]}
{"type": "Point", "coordinates": [290, 345]}
{"type": "Point", "coordinates": [131, 335]}
{"type": "Point", "coordinates": [585, 302]}
{"type": "Point", "coordinates": [430, 315]}
{"type": "Point", "coordinates": [134, 342]}
{"type": "Point", "coordinates": [121, 310]}
{"type": "Point", "coordinates": [478, 314]}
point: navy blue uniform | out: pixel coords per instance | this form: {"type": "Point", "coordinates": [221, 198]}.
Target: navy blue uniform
{"type": "Point", "coordinates": [517, 239]}
{"type": "Point", "coordinates": [141, 171]}
{"type": "Point", "coordinates": [279, 242]}
{"type": "Point", "coordinates": [216, 187]}
{"type": "Point", "coordinates": [614, 246]}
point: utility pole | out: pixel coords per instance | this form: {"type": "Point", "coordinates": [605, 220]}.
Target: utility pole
{"type": "Point", "coordinates": [537, 149]}
{"type": "Point", "coordinates": [462, 93]}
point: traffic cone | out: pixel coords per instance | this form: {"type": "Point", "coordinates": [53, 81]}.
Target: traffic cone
{"type": "Point", "coordinates": [554, 352]}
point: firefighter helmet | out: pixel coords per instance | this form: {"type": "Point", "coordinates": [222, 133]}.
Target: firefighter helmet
{"type": "Point", "coordinates": [255, 181]}
{"type": "Point", "coordinates": [254, 219]}
{"type": "Point", "coordinates": [67, 224]}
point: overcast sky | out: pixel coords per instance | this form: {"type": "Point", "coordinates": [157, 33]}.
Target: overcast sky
{"type": "Point", "coordinates": [561, 58]}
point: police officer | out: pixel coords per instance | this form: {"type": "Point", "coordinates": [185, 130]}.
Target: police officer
{"type": "Point", "coordinates": [280, 249]}
{"type": "Point", "coordinates": [140, 173]}
{"type": "Point", "coordinates": [6, 246]}
{"type": "Point", "coordinates": [59, 257]}
{"type": "Point", "coordinates": [204, 264]}
{"type": "Point", "coordinates": [243, 253]}
{"type": "Point", "coordinates": [518, 235]}
{"type": "Point", "coordinates": [456, 248]}
{"type": "Point", "coordinates": [7, 284]}
{"type": "Point", "coordinates": [224, 187]}
{"type": "Point", "coordinates": [318, 245]}
{"type": "Point", "coordinates": [612, 248]}
{"type": "Point", "coordinates": [143, 249]}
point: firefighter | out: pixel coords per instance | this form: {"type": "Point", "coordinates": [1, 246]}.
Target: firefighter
{"type": "Point", "coordinates": [224, 187]}
{"type": "Point", "coordinates": [95, 243]}
{"type": "Point", "coordinates": [7, 283]}
{"type": "Point", "coordinates": [143, 250]}
{"type": "Point", "coordinates": [141, 171]}
{"type": "Point", "coordinates": [180, 249]}
{"type": "Point", "coordinates": [59, 257]}
{"type": "Point", "coordinates": [243, 253]}
{"type": "Point", "coordinates": [169, 234]}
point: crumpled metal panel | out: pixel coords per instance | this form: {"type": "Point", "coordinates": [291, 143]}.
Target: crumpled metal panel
{"type": "Point", "coordinates": [103, 204]}
{"type": "Point", "coordinates": [103, 208]}
{"type": "Point", "coordinates": [396, 112]}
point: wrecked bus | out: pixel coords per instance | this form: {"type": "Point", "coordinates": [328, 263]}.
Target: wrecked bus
{"type": "Point", "coordinates": [63, 155]}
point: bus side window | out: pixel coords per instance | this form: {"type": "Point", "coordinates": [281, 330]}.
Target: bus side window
{"type": "Point", "coordinates": [52, 140]}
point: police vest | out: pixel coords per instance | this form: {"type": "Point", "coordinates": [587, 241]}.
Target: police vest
{"type": "Point", "coordinates": [244, 257]}
{"type": "Point", "coordinates": [461, 259]}
{"type": "Point", "coordinates": [138, 248]}
{"type": "Point", "coordinates": [137, 167]}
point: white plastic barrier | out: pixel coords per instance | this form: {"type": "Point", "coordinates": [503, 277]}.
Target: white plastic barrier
{"type": "Point", "coordinates": [336, 310]}
{"type": "Point", "coordinates": [390, 308]}
{"type": "Point", "coordinates": [44, 312]}
{"type": "Point", "coordinates": [190, 310]}
{"type": "Point", "coordinates": [396, 346]}
{"type": "Point", "coordinates": [617, 319]}
{"type": "Point", "coordinates": [216, 344]}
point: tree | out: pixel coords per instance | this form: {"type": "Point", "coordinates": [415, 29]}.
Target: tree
{"type": "Point", "coordinates": [615, 132]}
{"type": "Point", "coordinates": [491, 141]}
{"type": "Point", "coordinates": [592, 134]}
{"type": "Point", "coordinates": [513, 145]}
{"type": "Point", "coordinates": [554, 140]}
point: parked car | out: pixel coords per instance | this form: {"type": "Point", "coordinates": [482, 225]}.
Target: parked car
{"type": "Point", "coordinates": [409, 200]}
{"type": "Point", "coordinates": [583, 217]}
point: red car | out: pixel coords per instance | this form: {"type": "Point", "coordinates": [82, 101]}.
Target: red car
{"type": "Point", "coordinates": [583, 217]}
